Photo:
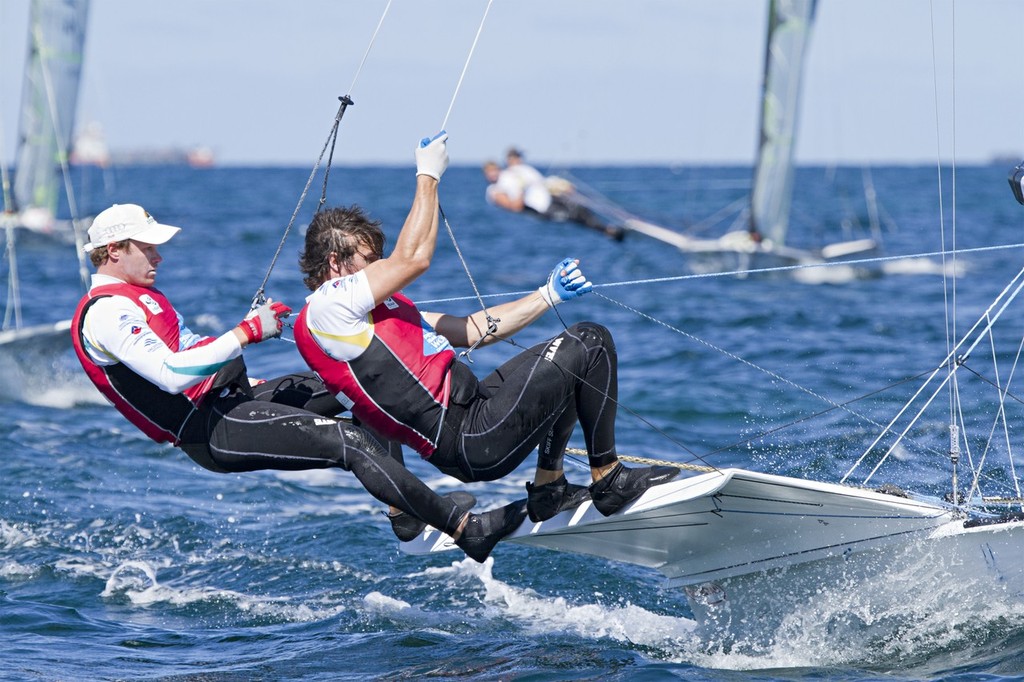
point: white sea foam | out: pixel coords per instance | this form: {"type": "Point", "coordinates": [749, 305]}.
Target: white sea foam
{"type": "Point", "coordinates": [137, 581]}
{"type": "Point", "coordinates": [13, 570]}
{"type": "Point", "coordinates": [539, 613]}
{"type": "Point", "coordinates": [12, 536]}
{"type": "Point", "coordinates": [31, 376]}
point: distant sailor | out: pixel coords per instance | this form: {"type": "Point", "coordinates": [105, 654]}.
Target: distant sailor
{"type": "Point", "coordinates": [396, 367]}
{"type": "Point", "coordinates": [522, 188]}
{"type": "Point", "coordinates": [192, 391]}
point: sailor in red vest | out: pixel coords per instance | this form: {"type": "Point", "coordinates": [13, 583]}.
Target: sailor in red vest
{"type": "Point", "coordinates": [193, 391]}
{"type": "Point", "coordinates": [395, 366]}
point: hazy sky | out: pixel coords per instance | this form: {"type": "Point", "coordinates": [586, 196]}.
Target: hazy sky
{"type": "Point", "coordinates": [571, 81]}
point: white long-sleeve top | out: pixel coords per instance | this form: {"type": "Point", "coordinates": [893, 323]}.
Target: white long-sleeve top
{"type": "Point", "coordinates": [115, 330]}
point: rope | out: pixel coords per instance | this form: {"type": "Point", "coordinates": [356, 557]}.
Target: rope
{"type": "Point", "coordinates": [492, 323]}
{"type": "Point", "coordinates": [332, 137]}
{"type": "Point", "coordinates": [733, 356]}
{"type": "Point", "coordinates": [985, 323]}
{"type": "Point", "coordinates": [366, 54]}
{"type": "Point", "coordinates": [678, 278]}
{"type": "Point", "coordinates": [259, 298]}
{"type": "Point", "coordinates": [480, 28]}
{"type": "Point", "coordinates": [646, 460]}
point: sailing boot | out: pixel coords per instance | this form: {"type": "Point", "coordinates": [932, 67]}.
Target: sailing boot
{"type": "Point", "coordinates": [407, 527]}
{"type": "Point", "coordinates": [547, 500]}
{"type": "Point", "coordinates": [483, 531]}
{"type": "Point", "coordinates": [620, 486]}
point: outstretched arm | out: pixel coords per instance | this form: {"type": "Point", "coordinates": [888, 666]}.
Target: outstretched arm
{"type": "Point", "coordinates": [565, 282]}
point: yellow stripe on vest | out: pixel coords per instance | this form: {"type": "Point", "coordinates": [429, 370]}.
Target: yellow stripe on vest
{"type": "Point", "coordinates": [361, 339]}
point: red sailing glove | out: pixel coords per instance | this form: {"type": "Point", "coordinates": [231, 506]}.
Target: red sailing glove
{"type": "Point", "coordinates": [264, 322]}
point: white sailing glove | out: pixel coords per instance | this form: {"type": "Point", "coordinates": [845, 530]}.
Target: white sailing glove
{"type": "Point", "coordinates": [432, 156]}
{"type": "Point", "coordinates": [566, 281]}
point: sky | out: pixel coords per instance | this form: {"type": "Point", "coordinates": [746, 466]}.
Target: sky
{"type": "Point", "coordinates": [570, 81]}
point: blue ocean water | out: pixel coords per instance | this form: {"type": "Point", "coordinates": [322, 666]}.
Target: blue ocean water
{"type": "Point", "coordinates": [120, 559]}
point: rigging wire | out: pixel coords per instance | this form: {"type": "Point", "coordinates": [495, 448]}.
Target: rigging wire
{"type": "Point", "coordinates": [986, 322]}
{"type": "Point", "coordinates": [833, 405]}
{"type": "Point", "coordinates": [752, 271]}
{"type": "Point", "coordinates": [733, 356]}
{"type": "Point", "coordinates": [492, 323]}
{"type": "Point", "coordinates": [465, 67]}
{"type": "Point", "coordinates": [1000, 418]}
{"type": "Point", "coordinates": [948, 287]}
{"type": "Point", "coordinates": [633, 413]}
{"type": "Point", "coordinates": [332, 137]}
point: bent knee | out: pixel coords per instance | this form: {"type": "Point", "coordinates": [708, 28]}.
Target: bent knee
{"type": "Point", "coordinates": [593, 335]}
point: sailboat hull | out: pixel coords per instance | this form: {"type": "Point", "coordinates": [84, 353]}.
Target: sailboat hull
{"type": "Point", "coordinates": [741, 542]}
{"type": "Point", "coordinates": [952, 570]}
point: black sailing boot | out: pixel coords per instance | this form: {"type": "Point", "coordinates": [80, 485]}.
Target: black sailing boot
{"type": "Point", "coordinates": [620, 486]}
{"type": "Point", "coordinates": [547, 500]}
{"type": "Point", "coordinates": [483, 531]}
{"type": "Point", "coordinates": [407, 527]}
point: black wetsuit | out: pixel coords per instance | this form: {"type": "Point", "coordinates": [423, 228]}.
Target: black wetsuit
{"type": "Point", "coordinates": [230, 426]}
{"type": "Point", "coordinates": [533, 400]}
{"type": "Point", "coordinates": [287, 424]}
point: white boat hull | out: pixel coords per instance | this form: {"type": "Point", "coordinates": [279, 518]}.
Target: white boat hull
{"type": "Point", "coordinates": [738, 252]}
{"type": "Point", "coordinates": [38, 337]}
{"type": "Point", "coordinates": [740, 542]}
{"type": "Point", "coordinates": [727, 523]}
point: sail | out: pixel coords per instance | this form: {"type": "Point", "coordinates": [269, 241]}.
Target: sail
{"type": "Point", "coordinates": [48, 101]}
{"type": "Point", "coordinates": [789, 31]}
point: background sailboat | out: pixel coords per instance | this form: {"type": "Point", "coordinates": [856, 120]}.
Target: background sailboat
{"type": "Point", "coordinates": [757, 237]}
{"type": "Point", "coordinates": [49, 101]}
{"type": "Point", "coordinates": [41, 178]}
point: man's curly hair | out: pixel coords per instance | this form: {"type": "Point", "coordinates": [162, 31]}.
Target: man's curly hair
{"type": "Point", "coordinates": [341, 231]}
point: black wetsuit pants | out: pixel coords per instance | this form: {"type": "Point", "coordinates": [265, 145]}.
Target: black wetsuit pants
{"type": "Point", "coordinates": [535, 400]}
{"type": "Point", "coordinates": [287, 424]}
{"type": "Point", "coordinates": [565, 209]}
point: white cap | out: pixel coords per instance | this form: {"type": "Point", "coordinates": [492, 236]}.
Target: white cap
{"type": "Point", "coordinates": [127, 221]}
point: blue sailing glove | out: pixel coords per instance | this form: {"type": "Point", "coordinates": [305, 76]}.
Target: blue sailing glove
{"type": "Point", "coordinates": [565, 282]}
{"type": "Point", "coordinates": [432, 156]}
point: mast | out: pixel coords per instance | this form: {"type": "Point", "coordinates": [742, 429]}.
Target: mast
{"type": "Point", "coordinates": [789, 32]}
{"type": "Point", "coordinates": [49, 100]}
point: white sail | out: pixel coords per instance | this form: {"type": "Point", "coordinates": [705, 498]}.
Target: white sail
{"type": "Point", "coordinates": [50, 88]}
{"type": "Point", "coordinates": [756, 241]}
{"type": "Point", "coordinates": [789, 32]}
{"type": "Point", "coordinates": [48, 104]}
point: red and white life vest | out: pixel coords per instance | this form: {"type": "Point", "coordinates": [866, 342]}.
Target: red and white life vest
{"type": "Point", "coordinates": [157, 413]}
{"type": "Point", "coordinates": [400, 384]}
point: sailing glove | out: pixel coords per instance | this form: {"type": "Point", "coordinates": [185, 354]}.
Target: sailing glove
{"type": "Point", "coordinates": [264, 322]}
{"type": "Point", "coordinates": [565, 282]}
{"type": "Point", "coordinates": [432, 156]}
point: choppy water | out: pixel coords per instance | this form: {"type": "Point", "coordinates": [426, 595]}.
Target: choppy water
{"type": "Point", "coordinates": [120, 559]}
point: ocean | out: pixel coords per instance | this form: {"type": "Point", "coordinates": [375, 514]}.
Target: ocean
{"type": "Point", "coordinates": [122, 560]}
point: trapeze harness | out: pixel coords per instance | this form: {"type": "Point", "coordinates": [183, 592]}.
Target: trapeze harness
{"type": "Point", "coordinates": [402, 383]}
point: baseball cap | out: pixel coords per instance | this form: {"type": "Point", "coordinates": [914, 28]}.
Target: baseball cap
{"type": "Point", "coordinates": [127, 221]}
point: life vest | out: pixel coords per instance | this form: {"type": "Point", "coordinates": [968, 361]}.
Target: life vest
{"type": "Point", "coordinates": [157, 413]}
{"type": "Point", "coordinates": [400, 384]}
